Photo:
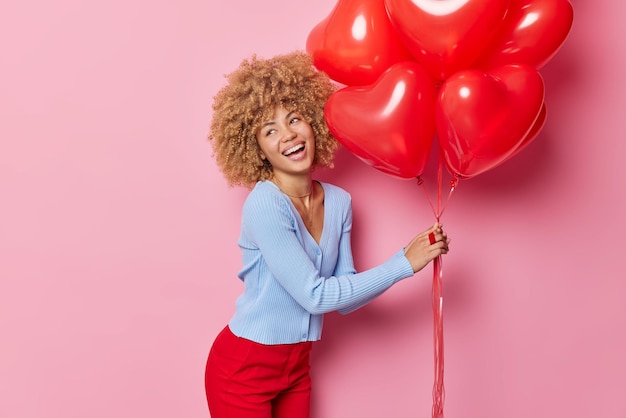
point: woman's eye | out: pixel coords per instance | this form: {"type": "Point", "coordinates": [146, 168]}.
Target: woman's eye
{"type": "Point", "coordinates": [269, 132]}
{"type": "Point", "coordinates": [294, 120]}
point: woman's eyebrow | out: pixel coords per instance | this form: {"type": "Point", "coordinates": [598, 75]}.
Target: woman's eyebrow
{"type": "Point", "coordinates": [289, 114]}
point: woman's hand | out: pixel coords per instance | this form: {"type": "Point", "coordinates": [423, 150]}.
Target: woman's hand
{"type": "Point", "coordinates": [427, 246]}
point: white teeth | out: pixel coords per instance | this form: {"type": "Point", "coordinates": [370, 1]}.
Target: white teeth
{"type": "Point", "coordinates": [294, 149]}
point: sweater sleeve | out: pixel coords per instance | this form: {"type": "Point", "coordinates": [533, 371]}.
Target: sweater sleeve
{"type": "Point", "coordinates": [345, 262]}
{"type": "Point", "coordinates": [270, 225]}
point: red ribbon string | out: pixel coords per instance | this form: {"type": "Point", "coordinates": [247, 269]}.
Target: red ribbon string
{"type": "Point", "coordinates": [437, 298]}
{"type": "Point", "coordinates": [438, 388]}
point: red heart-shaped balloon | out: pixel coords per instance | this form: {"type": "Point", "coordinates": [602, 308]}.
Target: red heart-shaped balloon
{"type": "Point", "coordinates": [446, 35]}
{"type": "Point", "coordinates": [482, 118]}
{"type": "Point", "coordinates": [356, 43]}
{"type": "Point", "coordinates": [390, 124]}
{"type": "Point", "coordinates": [532, 134]}
{"type": "Point", "coordinates": [532, 32]}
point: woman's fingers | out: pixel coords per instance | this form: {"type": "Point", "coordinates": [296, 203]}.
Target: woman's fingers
{"type": "Point", "coordinates": [436, 227]}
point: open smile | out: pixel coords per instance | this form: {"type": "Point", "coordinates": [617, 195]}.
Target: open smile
{"type": "Point", "coordinates": [296, 149]}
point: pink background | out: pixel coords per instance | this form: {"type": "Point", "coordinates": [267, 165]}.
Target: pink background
{"type": "Point", "coordinates": [118, 235]}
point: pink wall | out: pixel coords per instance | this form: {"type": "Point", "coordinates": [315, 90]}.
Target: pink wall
{"type": "Point", "coordinates": [118, 235]}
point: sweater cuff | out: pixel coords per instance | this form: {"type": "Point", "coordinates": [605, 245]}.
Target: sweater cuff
{"type": "Point", "coordinates": [402, 263]}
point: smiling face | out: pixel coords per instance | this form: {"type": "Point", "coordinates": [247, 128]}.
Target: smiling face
{"type": "Point", "coordinates": [287, 142]}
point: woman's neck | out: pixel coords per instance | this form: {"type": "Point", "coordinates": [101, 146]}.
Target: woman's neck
{"type": "Point", "coordinates": [297, 187]}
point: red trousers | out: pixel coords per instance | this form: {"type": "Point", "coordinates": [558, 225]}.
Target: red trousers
{"type": "Point", "coordinates": [245, 379]}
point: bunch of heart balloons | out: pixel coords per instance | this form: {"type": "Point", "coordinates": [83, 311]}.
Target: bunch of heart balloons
{"type": "Point", "coordinates": [464, 71]}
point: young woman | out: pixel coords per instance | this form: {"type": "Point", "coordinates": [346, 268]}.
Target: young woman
{"type": "Point", "coordinates": [268, 133]}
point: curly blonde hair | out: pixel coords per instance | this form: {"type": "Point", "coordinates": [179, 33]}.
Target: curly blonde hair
{"type": "Point", "coordinates": [253, 90]}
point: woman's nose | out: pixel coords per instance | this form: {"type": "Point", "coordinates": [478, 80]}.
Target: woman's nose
{"type": "Point", "coordinates": [289, 134]}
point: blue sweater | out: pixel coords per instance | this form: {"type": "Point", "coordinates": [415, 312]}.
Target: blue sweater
{"type": "Point", "coordinates": [289, 280]}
